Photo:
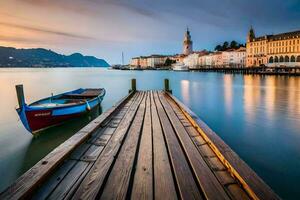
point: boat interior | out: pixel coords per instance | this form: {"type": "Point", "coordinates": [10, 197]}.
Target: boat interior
{"type": "Point", "coordinates": [69, 98]}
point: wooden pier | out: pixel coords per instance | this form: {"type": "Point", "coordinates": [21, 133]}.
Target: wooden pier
{"type": "Point", "coordinates": [147, 146]}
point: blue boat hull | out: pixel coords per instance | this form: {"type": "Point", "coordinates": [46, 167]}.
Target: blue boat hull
{"type": "Point", "coordinates": [37, 118]}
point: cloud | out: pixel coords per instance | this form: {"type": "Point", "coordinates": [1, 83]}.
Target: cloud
{"type": "Point", "coordinates": [18, 39]}
{"type": "Point", "coordinates": [47, 31]}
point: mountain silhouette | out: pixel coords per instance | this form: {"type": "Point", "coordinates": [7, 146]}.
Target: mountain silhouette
{"type": "Point", "coordinates": [12, 57]}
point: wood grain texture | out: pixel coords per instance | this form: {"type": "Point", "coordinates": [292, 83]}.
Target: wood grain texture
{"type": "Point", "coordinates": [32, 179]}
{"type": "Point", "coordinates": [117, 185]}
{"type": "Point", "coordinates": [184, 177]}
{"type": "Point", "coordinates": [210, 186]}
{"type": "Point", "coordinates": [142, 187]}
{"type": "Point", "coordinates": [252, 183]}
{"type": "Point", "coordinates": [92, 183]}
{"type": "Point", "coordinates": [163, 178]}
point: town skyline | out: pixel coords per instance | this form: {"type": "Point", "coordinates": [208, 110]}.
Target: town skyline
{"type": "Point", "coordinates": [136, 28]}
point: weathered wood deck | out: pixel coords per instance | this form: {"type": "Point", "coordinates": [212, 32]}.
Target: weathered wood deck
{"type": "Point", "coordinates": [148, 146]}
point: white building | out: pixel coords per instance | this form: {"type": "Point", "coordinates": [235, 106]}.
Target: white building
{"type": "Point", "coordinates": [192, 60]}
{"type": "Point", "coordinates": [156, 60]}
{"type": "Point", "coordinates": [234, 58]}
{"type": "Point", "coordinates": [229, 58]}
{"type": "Point", "coordinates": [148, 61]}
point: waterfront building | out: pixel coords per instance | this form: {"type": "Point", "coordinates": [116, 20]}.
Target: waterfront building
{"type": "Point", "coordinates": [273, 50]}
{"type": "Point", "coordinates": [152, 61]}
{"type": "Point", "coordinates": [228, 58]}
{"type": "Point", "coordinates": [217, 59]}
{"type": "Point", "coordinates": [234, 58]}
{"type": "Point", "coordinates": [156, 60]}
{"type": "Point", "coordinates": [192, 60]}
{"type": "Point", "coordinates": [135, 62]}
{"type": "Point", "coordinates": [187, 43]}
{"type": "Point", "coordinates": [179, 58]}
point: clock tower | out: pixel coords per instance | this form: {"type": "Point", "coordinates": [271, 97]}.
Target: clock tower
{"type": "Point", "coordinates": [187, 43]}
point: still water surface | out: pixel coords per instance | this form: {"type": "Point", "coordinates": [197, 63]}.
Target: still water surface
{"type": "Point", "coordinates": [257, 116]}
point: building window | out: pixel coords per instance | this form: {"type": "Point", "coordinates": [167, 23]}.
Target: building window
{"type": "Point", "coordinates": [271, 60]}
{"type": "Point", "coordinates": [293, 59]}
{"type": "Point", "coordinates": [276, 59]}
{"type": "Point", "coordinates": [281, 59]}
{"type": "Point", "coordinates": [286, 59]}
{"type": "Point", "coordinates": [298, 58]}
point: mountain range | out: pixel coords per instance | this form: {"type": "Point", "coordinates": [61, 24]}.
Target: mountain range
{"type": "Point", "coordinates": [12, 57]}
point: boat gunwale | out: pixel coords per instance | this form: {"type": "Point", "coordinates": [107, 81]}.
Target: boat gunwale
{"type": "Point", "coordinates": [32, 107]}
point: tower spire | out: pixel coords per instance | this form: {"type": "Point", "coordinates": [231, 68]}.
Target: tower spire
{"type": "Point", "coordinates": [187, 43]}
{"type": "Point", "coordinates": [251, 34]}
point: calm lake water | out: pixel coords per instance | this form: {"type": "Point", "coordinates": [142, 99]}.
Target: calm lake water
{"type": "Point", "coordinates": [257, 116]}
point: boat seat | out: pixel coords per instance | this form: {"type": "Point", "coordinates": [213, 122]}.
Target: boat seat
{"type": "Point", "coordinates": [87, 94]}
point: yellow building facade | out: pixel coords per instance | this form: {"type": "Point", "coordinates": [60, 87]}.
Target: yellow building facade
{"type": "Point", "coordinates": [281, 50]}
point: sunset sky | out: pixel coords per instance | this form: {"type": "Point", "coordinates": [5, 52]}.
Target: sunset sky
{"type": "Point", "coordinates": [105, 28]}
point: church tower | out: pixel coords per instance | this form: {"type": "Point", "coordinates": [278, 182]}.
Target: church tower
{"type": "Point", "coordinates": [187, 43]}
{"type": "Point", "coordinates": [251, 35]}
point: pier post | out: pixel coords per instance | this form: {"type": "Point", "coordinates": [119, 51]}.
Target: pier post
{"type": "Point", "coordinates": [20, 95]}
{"type": "Point", "coordinates": [133, 85]}
{"type": "Point", "coordinates": [167, 86]}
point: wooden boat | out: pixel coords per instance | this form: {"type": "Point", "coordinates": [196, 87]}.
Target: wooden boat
{"type": "Point", "coordinates": [57, 109]}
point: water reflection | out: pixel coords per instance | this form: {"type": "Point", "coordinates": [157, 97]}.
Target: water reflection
{"type": "Point", "coordinates": [228, 92]}
{"type": "Point", "coordinates": [252, 95]}
{"type": "Point", "coordinates": [48, 139]}
{"type": "Point", "coordinates": [185, 90]}
{"type": "Point", "coordinates": [270, 96]}
{"type": "Point", "coordinates": [257, 116]}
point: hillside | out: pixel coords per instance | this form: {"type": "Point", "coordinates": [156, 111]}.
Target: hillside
{"type": "Point", "coordinates": [12, 57]}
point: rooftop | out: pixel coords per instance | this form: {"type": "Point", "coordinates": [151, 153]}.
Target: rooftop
{"type": "Point", "coordinates": [280, 36]}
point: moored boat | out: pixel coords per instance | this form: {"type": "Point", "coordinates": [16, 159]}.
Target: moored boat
{"type": "Point", "coordinates": [179, 67]}
{"type": "Point", "coordinates": [57, 109]}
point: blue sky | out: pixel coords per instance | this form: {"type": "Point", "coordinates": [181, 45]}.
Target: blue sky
{"type": "Point", "coordinates": [105, 28]}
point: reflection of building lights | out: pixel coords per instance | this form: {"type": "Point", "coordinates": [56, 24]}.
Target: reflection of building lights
{"type": "Point", "coordinates": [251, 96]}
{"type": "Point", "coordinates": [228, 92]}
{"type": "Point", "coordinates": [293, 99]}
{"type": "Point", "coordinates": [185, 90]}
{"type": "Point", "coordinates": [270, 96]}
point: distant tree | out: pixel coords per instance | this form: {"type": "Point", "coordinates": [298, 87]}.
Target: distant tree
{"type": "Point", "coordinates": [169, 62]}
{"type": "Point", "coordinates": [242, 45]}
{"type": "Point", "coordinates": [234, 44]}
{"type": "Point", "coordinates": [225, 46]}
{"type": "Point", "coordinates": [218, 48]}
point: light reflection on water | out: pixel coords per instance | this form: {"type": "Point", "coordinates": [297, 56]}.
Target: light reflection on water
{"type": "Point", "coordinates": [257, 116]}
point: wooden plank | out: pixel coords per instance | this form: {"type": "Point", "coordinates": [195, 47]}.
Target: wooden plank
{"type": "Point", "coordinates": [54, 180]}
{"type": "Point", "coordinates": [85, 152]}
{"type": "Point", "coordinates": [117, 185]}
{"type": "Point", "coordinates": [163, 178]}
{"type": "Point", "coordinates": [251, 182]}
{"type": "Point", "coordinates": [211, 187]}
{"type": "Point", "coordinates": [143, 178]}
{"type": "Point", "coordinates": [77, 173]}
{"type": "Point", "coordinates": [64, 187]}
{"type": "Point", "coordinates": [186, 184]}
{"type": "Point", "coordinates": [90, 157]}
{"type": "Point", "coordinates": [236, 192]}
{"type": "Point", "coordinates": [29, 181]}
{"type": "Point", "coordinates": [71, 181]}
{"type": "Point", "coordinates": [92, 183]}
